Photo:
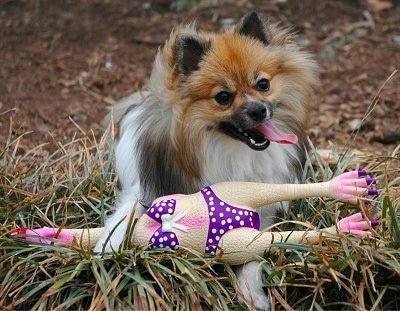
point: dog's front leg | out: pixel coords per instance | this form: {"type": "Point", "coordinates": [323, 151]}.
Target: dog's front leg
{"type": "Point", "coordinates": [117, 224]}
{"type": "Point", "coordinates": [249, 278]}
{"type": "Point", "coordinates": [249, 275]}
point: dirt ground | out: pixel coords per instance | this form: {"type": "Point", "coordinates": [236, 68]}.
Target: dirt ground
{"type": "Point", "coordinates": [63, 62]}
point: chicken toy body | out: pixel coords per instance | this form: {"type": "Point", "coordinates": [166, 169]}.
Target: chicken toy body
{"type": "Point", "coordinates": [222, 219]}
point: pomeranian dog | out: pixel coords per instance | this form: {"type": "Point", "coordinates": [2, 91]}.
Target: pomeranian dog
{"type": "Point", "coordinates": [230, 106]}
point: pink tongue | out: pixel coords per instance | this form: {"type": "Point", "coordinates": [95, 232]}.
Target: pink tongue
{"type": "Point", "coordinates": [272, 133]}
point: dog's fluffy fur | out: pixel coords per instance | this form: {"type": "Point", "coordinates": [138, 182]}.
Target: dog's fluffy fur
{"type": "Point", "coordinates": [180, 135]}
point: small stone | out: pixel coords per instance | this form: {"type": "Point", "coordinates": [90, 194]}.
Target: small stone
{"type": "Point", "coordinates": [355, 125]}
{"type": "Point", "coordinates": [387, 137]}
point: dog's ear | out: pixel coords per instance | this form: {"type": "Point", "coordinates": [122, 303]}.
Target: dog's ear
{"type": "Point", "coordinates": [253, 26]}
{"type": "Point", "coordinates": [189, 50]}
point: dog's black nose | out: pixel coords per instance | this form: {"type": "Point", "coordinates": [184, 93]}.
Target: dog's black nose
{"type": "Point", "coordinates": [257, 112]}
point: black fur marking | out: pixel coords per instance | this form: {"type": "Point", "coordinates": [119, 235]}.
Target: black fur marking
{"type": "Point", "coordinates": [189, 52]}
{"type": "Point", "coordinates": [159, 171]}
{"type": "Point", "coordinates": [254, 27]}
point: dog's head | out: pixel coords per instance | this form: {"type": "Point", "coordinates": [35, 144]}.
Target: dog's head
{"type": "Point", "coordinates": [251, 82]}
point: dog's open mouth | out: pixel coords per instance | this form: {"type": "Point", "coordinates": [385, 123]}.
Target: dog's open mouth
{"type": "Point", "coordinates": [259, 138]}
{"type": "Point", "coordinates": [254, 139]}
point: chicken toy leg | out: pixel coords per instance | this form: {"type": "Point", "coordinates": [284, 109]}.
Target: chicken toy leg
{"type": "Point", "coordinates": [347, 187]}
{"type": "Point", "coordinates": [242, 243]}
{"type": "Point", "coordinates": [240, 246]}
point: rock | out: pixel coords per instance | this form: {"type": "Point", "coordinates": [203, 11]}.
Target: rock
{"type": "Point", "coordinates": [387, 137]}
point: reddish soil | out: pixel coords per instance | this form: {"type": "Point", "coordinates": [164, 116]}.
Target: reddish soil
{"type": "Point", "coordinates": [61, 62]}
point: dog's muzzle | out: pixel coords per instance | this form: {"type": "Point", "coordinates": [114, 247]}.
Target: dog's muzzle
{"type": "Point", "coordinates": [244, 121]}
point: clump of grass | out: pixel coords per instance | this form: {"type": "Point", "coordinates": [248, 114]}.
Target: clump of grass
{"type": "Point", "coordinates": [76, 183]}
{"type": "Point", "coordinates": [45, 277]}
{"type": "Point", "coordinates": [75, 186]}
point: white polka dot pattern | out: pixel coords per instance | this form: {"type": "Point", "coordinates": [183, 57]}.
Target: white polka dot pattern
{"type": "Point", "coordinates": [160, 239]}
{"type": "Point", "coordinates": [225, 217]}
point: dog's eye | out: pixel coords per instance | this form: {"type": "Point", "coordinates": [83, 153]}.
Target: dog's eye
{"type": "Point", "coordinates": [224, 98]}
{"type": "Point", "coordinates": [263, 85]}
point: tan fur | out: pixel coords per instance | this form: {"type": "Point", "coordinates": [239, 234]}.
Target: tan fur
{"type": "Point", "coordinates": [233, 62]}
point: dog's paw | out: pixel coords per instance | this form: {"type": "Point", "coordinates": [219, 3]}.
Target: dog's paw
{"type": "Point", "coordinates": [108, 243]}
{"type": "Point", "coordinates": [117, 225]}
{"type": "Point", "coordinates": [251, 287]}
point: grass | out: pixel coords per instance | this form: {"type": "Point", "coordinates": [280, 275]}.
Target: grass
{"type": "Point", "coordinates": [75, 186]}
